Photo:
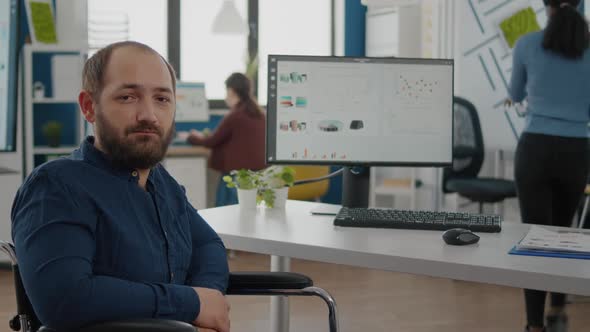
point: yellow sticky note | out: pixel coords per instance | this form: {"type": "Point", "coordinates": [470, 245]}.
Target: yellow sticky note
{"type": "Point", "coordinates": [43, 23]}
{"type": "Point", "coordinates": [518, 24]}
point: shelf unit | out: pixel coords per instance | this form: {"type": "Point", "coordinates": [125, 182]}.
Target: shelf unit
{"type": "Point", "coordinates": [54, 150]}
{"type": "Point", "coordinates": [40, 66]}
{"type": "Point", "coordinates": [53, 101]}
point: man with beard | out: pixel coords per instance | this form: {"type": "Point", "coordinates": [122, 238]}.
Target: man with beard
{"type": "Point", "coordinates": [107, 234]}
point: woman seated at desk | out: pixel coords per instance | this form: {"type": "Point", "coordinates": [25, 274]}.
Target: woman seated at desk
{"type": "Point", "coordinates": [239, 140]}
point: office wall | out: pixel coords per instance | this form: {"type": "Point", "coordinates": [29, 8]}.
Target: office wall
{"type": "Point", "coordinates": [483, 63]}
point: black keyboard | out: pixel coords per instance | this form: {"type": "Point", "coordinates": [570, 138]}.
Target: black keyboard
{"type": "Point", "coordinates": [409, 219]}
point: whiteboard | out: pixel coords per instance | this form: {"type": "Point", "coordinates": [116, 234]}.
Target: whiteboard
{"type": "Point", "coordinates": [515, 118]}
{"type": "Point", "coordinates": [191, 102]}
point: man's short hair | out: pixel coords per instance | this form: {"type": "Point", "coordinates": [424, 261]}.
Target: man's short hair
{"type": "Point", "coordinates": [95, 67]}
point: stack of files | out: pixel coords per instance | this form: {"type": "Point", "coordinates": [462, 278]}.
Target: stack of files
{"type": "Point", "coordinates": [554, 242]}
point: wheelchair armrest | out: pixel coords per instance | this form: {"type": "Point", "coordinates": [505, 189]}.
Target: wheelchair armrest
{"type": "Point", "coordinates": [239, 281]}
{"type": "Point", "coordinates": [280, 284]}
{"type": "Point", "coordinates": [139, 325]}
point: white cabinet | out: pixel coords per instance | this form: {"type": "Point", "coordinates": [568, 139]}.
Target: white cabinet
{"type": "Point", "coordinates": [52, 79]}
{"type": "Point", "coordinates": [190, 172]}
{"type": "Point", "coordinates": [10, 183]}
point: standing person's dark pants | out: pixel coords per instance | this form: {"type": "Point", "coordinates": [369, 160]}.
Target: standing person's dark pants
{"type": "Point", "coordinates": [550, 174]}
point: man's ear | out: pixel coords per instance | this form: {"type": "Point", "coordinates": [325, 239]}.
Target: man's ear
{"type": "Point", "coordinates": [87, 103]}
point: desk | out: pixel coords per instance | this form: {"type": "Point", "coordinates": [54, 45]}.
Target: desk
{"type": "Point", "coordinates": [4, 170]}
{"type": "Point", "coordinates": [294, 232]}
{"type": "Point", "coordinates": [188, 151]}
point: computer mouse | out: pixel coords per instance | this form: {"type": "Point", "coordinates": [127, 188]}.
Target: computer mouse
{"type": "Point", "coordinates": [459, 237]}
{"type": "Point", "coordinates": [356, 124]}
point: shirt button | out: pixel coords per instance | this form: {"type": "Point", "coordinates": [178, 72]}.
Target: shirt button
{"type": "Point", "coordinates": [134, 173]}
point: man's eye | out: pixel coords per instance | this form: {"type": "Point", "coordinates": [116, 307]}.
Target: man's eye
{"type": "Point", "coordinates": [163, 99]}
{"type": "Point", "coordinates": [125, 98]}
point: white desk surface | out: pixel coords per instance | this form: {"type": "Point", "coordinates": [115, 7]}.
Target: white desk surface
{"type": "Point", "coordinates": [296, 233]}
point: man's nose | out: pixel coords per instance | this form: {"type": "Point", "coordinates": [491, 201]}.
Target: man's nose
{"type": "Point", "coordinates": [147, 112]}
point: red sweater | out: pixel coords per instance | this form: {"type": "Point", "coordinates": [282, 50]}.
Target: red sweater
{"type": "Point", "coordinates": [238, 142]}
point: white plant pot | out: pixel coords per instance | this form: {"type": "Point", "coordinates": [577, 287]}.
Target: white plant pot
{"type": "Point", "coordinates": [281, 197]}
{"type": "Point", "coordinates": [247, 198]}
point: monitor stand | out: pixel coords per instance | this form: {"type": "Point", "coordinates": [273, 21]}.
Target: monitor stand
{"type": "Point", "coordinates": [355, 187]}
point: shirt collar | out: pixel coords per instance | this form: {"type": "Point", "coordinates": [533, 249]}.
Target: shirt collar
{"type": "Point", "coordinates": [94, 156]}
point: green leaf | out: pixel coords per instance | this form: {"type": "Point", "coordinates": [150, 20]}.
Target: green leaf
{"type": "Point", "coordinates": [229, 181]}
{"type": "Point", "coordinates": [269, 197]}
{"type": "Point", "coordinates": [288, 178]}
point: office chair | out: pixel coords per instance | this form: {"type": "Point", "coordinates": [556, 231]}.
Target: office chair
{"type": "Point", "coordinates": [240, 283]}
{"type": "Point", "coordinates": [468, 154]}
{"type": "Point", "coordinates": [309, 191]}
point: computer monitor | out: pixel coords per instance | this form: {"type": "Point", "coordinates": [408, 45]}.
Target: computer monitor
{"type": "Point", "coordinates": [355, 111]}
{"type": "Point", "coordinates": [8, 74]}
{"type": "Point", "coordinates": [191, 102]}
{"type": "Point", "coordinates": [360, 111]}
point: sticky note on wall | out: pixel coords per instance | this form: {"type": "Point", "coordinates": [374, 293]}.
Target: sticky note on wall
{"type": "Point", "coordinates": [41, 18]}
{"type": "Point", "coordinates": [518, 24]}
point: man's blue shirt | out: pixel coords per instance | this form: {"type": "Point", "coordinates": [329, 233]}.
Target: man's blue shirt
{"type": "Point", "coordinates": [93, 245]}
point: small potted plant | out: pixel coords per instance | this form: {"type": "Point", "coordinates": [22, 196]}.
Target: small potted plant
{"type": "Point", "coordinates": [274, 185]}
{"type": "Point", "coordinates": [52, 132]}
{"type": "Point", "coordinates": [270, 185]}
{"type": "Point", "coordinates": [247, 183]}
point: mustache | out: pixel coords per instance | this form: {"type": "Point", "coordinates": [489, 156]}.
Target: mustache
{"type": "Point", "coordinates": [144, 127]}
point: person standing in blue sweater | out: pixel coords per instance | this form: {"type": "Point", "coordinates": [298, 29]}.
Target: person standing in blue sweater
{"type": "Point", "coordinates": [551, 70]}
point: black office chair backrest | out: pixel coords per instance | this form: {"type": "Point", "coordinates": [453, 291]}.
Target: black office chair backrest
{"type": "Point", "coordinates": [468, 149]}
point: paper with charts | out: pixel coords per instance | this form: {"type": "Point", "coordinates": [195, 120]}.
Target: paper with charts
{"type": "Point", "coordinates": [559, 240]}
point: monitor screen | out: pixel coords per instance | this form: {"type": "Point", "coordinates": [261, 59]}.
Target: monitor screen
{"type": "Point", "coordinates": [8, 74]}
{"type": "Point", "coordinates": [191, 102]}
{"type": "Point", "coordinates": [359, 111]}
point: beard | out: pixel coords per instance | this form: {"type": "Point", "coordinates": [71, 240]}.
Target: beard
{"type": "Point", "coordinates": [133, 151]}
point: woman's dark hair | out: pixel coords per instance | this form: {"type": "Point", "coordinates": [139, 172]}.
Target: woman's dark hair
{"type": "Point", "coordinates": [242, 86]}
{"type": "Point", "coordinates": [567, 31]}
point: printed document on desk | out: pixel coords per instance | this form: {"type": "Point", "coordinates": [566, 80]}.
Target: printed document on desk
{"type": "Point", "coordinates": [564, 240]}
